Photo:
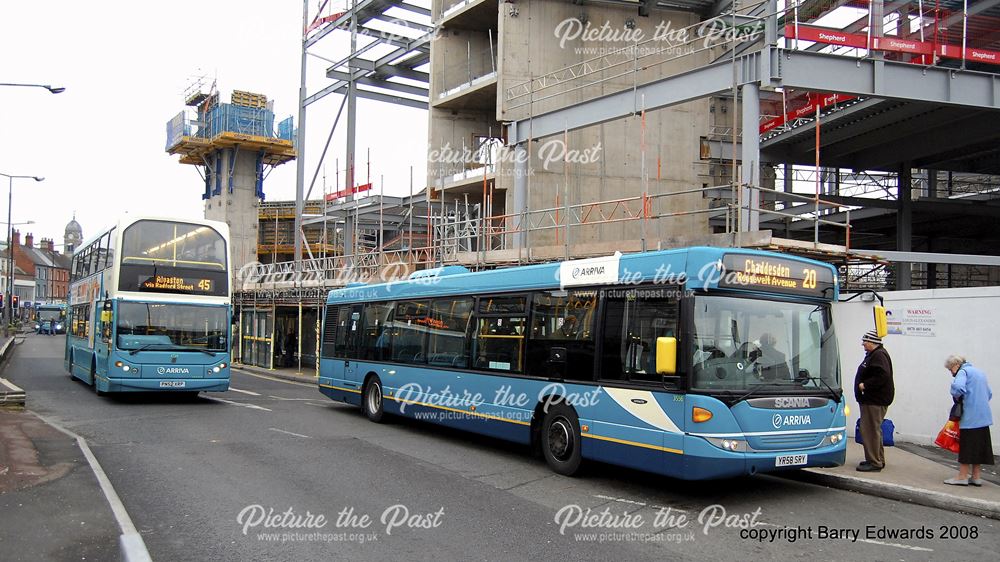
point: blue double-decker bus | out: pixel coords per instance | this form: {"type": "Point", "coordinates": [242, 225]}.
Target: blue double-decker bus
{"type": "Point", "coordinates": [149, 307]}
{"type": "Point", "coordinates": [695, 363]}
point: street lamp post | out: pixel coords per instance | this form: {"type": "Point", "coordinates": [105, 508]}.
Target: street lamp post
{"type": "Point", "coordinates": [50, 88]}
{"type": "Point", "coordinates": [7, 303]}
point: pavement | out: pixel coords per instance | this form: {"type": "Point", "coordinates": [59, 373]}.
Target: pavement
{"type": "Point", "coordinates": [41, 467]}
{"type": "Point", "coordinates": [11, 395]}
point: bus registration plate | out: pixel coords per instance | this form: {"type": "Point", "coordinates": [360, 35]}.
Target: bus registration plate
{"type": "Point", "coordinates": [791, 460]}
{"type": "Point", "coordinates": [172, 384]}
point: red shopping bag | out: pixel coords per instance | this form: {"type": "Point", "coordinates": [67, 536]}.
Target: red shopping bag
{"type": "Point", "coordinates": [948, 437]}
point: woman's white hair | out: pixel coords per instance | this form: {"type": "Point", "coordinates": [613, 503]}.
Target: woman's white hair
{"type": "Point", "coordinates": [953, 360]}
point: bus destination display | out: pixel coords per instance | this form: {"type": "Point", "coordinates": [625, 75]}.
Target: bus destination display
{"type": "Point", "coordinates": [178, 284]}
{"type": "Point", "coordinates": [773, 274]}
{"type": "Point", "coordinates": [181, 281]}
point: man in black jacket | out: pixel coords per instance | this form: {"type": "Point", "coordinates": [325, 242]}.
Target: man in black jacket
{"type": "Point", "coordinates": [874, 390]}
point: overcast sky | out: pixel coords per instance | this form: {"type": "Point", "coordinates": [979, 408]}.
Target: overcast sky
{"type": "Point", "coordinates": [125, 65]}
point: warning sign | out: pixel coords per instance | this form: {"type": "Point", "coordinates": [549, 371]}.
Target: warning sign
{"type": "Point", "coordinates": [912, 321]}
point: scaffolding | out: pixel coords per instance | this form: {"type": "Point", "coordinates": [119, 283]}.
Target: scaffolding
{"type": "Point", "coordinates": [247, 124]}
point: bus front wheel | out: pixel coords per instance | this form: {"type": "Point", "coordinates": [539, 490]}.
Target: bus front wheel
{"type": "Point", "coordinates": [561, 440]}
{"type": "Point", "coordinates": [372, 402]}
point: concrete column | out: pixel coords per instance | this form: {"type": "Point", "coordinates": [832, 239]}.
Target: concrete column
{"type": "Point", "coordinates": [239, 207]}
{"type": "Point", "coordinates": [904, 226]}
{"type": "Point", "coordinates": [750, 184]}
{"type": "Point", "coordinates": [519, 197]}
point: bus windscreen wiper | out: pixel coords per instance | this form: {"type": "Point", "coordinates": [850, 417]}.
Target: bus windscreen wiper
{"type": "Point", "coordinates": [833, 393]}
{"type": "Point", "coordinates": [149, 346]}
{"type": "Point", "coordinates": [145, 347]}
{"type": "Point", "coordinates": [191, 348]}
{"type": "Point", "coordinates": [758, 387]}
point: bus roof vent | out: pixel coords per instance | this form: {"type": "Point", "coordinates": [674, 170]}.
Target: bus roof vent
{"type": "Point", "coordinates": [438, 272]}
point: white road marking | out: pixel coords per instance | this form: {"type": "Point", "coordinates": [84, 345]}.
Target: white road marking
{"type": "Point", "coordinates": [251, 393]}
{"type": "Point", "coordinates": [251, 406]}
{"type": "Point", "coordinates": [131, 541]}
{"type": "Point", "coordinates": [242, 372]}
{"type": "Point", "coordinates": [633, 502]}
{"type": "Point", "coordinates": [289, 432]}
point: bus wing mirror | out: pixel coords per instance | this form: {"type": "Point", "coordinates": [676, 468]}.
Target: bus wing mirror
{"type": "Point", "coordinates": [666, 356]}
{"type": "Point", "coordinates": [881, 322]}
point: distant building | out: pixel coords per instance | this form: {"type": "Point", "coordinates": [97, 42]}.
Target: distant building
{"type": "Point", "coordinates": [72, 237]}
{"type": "Point", "coordinates": [41, 273]}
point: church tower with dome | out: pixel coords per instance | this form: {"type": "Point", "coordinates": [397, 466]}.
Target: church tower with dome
{"type": "Point", "coordinates": [72, 237]}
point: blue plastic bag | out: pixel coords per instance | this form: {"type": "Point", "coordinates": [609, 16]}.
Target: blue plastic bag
{"type": "Point", "coordinates": [888, 428]}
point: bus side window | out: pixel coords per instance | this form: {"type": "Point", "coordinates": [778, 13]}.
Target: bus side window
{"type": "Point", "coordinates": [632, 322]}
{"type": "Point", "coordinates": [500, 334]}
{"type": "Point", "coordinates": [376, 332]}
{"type": "Point", "coordinates": [562, 322]}
{"type": "Point", "coordinates": [449, 327]}
{"type": "Point", "coordinates": [409, 330]}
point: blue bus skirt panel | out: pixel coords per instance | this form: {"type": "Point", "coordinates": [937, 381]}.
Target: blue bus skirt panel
{"type": "Point", "coordinates": [336, 390]}
{"type": "Point", "coordinates": [105, 384]}
{"type": "Point", "coordinates": [508, 430]}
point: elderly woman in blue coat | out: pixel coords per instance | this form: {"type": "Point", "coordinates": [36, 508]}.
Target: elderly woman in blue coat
{"type": "Point", "coordinates": [974, 445]}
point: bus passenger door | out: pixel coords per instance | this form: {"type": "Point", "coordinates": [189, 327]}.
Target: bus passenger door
{"type": "Point", "coordinates": [345, 350]}
{"type": "Point", "coordinates": [102, 342]}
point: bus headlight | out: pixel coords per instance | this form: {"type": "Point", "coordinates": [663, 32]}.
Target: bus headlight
{"type": "Point", "coordinates": [834, 438]}
{"type": "Point", "coordinates": [727, 444]}
{"type": "Point", "coordinates": [216, 369]}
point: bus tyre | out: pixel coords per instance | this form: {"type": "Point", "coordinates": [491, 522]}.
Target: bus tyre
{"type": "Point", "coordinates": [93, 377]}
{"type": "Point", "coordinates": [371, 403]}
{"type": "Point", "coordinates": [561, 439]}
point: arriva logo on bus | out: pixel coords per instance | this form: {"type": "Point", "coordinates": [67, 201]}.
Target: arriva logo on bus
{"type": "Point", "coordinates": [172, 370]}
{"type": "Point", "coordinates": [779, 421]}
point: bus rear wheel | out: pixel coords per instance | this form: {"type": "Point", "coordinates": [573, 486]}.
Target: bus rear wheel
{"type": "Point", "coordinates": [371, 403]}
{"type": "Point", "coordinates": [561, 440]}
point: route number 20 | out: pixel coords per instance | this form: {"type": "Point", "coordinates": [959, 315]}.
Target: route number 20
{"type": "Point", "coordinates": [809, 281]}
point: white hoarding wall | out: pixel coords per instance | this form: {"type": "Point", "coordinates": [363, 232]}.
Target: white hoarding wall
{"type": "Point", "coordinates": [925, 327]}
